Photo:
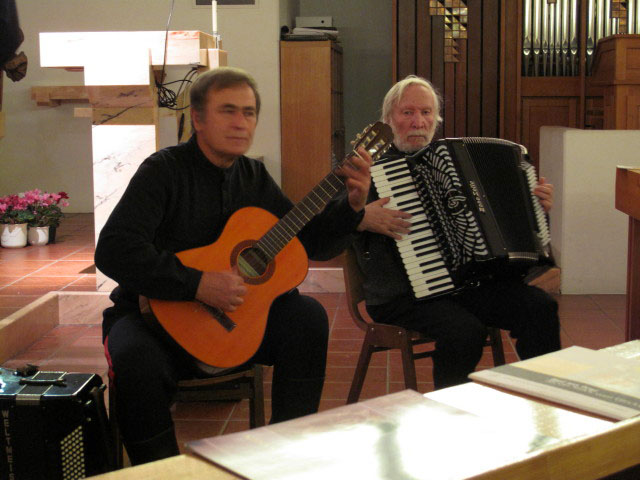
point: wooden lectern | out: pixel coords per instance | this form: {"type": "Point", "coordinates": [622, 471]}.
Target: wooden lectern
{"type": "Point", "coordinates": [628, 201]}
{"type": "Point", "coordinates": [119, 85]}
{"type": "Point", "coordinates": [616, 69]}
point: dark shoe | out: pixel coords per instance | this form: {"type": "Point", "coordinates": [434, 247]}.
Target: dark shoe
{"type": "Point", "coordinates": [295, 398]}
{"type": "Point", "coordinates": [161, 446]}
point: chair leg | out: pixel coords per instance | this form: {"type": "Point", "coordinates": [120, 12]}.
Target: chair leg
{"type": "Point", "coordinates": [115, 431]}
{"type": "Point", "coordinates": [256, 402]}
{"type": "Point", "coordinates": [497, 349]}
{"type": "Point", "coordinates": [408, 365]}
{"type": "Point", "coordinates": [361, 370]}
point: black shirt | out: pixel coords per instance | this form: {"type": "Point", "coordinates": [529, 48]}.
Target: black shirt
{"type": "Point", "coordinates": [179, 200]}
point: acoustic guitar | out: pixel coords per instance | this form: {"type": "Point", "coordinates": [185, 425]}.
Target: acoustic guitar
{"type": "Point", "coordinates": [269, 257]}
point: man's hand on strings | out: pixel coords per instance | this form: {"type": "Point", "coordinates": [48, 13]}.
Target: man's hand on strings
{"type": "Point", "coordinates": [357, 178]}
{"type": "Point", "coordinates": [224, 290]}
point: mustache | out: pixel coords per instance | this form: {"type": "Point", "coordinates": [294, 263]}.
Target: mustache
{"type": "Point", "coordinates": [418, 132]}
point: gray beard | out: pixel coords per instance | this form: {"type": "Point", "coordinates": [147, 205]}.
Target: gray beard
{"type": "Point", "coordinates": [405, 148]}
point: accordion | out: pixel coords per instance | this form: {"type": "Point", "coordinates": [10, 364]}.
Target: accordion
{"type": "Point", "coordinates": [473, 210]}
{"type": "Point", "coordinates": [54, 426]}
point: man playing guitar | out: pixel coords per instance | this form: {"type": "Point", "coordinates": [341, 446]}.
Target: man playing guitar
{"type": "Point", "coordinates": [181, 198]}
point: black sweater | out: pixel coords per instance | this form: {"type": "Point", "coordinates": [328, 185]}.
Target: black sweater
{"type": "Point", "coordinates": [179, 200]}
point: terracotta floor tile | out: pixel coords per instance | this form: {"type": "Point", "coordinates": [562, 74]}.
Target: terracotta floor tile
{"type": "Point", "coordinates": [82, 256]}
{"type": "Point", "coordinates": [345, 345]}
{"type": "Point", "coordinates": [345, 374]}
{"type": "Point", "coordinates": [189, 430]}
{"type": "Point", "coordinates": [80, 288]}
{"type": "Point", "coordinates": [54, 283]}
{"type": "Point", "coordinates": [353, 333]}
{"type": "Point", "coordinates": [234, 426]}
{"type": "Point", "coordinates": [326, 404]}
{"type": "Point", "coordinates": [24, 267]}
{"type": "Point", "coordinates": [16, 300]}
{"type": "Point", "coordinates": [609, 301]}
{"type": "Point", "coordinates": [69, 332]}
{"type": "Point", "coordinates": [572, 303]}
{"type": "Point", "coordinates": [68, 267]}
{"type": "Point", "coordinates": [26, 290]}
{"type": "Point", "coordinates": [6, 311]}
{"type": "Point", "coordinates": [41, 253]}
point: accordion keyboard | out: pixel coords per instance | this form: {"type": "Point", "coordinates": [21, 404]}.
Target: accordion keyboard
{"type": "Point", "coordinates": [418, 249]}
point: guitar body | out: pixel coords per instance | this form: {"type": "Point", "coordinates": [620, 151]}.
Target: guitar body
{"type": "Point", "coordinates": [195, 328]}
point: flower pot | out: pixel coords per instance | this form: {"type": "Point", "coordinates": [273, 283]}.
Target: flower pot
{"type": "Point", "coordinates": [38, 235]}
{"type": "Point", "coordinates": [13, 236]}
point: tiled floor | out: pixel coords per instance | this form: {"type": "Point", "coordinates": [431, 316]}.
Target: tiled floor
{"type": "Point", "coordinates": [592, 321]}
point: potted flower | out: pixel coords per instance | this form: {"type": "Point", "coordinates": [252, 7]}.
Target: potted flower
{"type": "Point", "coordinates": [14, 217]}
{"type": "Point", "coordinates": [47, 213]}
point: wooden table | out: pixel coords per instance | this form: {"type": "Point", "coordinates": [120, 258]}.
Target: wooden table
{"type": "Point", "coordinates": [586, 447]}
{"type": "Point", "coordinates": [628, 201]}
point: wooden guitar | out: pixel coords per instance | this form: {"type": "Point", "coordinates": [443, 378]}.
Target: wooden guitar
{"type": "Point", "coordinates": [268, 256]}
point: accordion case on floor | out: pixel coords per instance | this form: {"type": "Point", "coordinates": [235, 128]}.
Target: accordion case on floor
{"type": "Point", "coordinates": [474, 212]}
{"type": "Point", "coordinates": [54, 426]}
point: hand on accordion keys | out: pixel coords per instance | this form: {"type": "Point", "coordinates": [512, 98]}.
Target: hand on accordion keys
{"type": "Point", "coordinates": [544, 191]}
{"type": "Point", "coordinates": [385, 221]}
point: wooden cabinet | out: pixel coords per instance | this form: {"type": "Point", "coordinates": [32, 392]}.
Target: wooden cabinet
{"type": "Point", "coordinates": [312, 128]}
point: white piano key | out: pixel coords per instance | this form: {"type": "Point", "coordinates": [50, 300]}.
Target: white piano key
{"type": "Point", "coordinates": [395, 189]}
{"type": "Point", "coordinates": [419, 265]}
{"type": "Point", "coordinates": [432, 281]}
{"type": "Point", "coordinates": [438, 289]}
{"type": "Point", "coordinates": [401, 174]}
{"type": "Point", "coordinates": [408, 237]}
{"type": "Point", "coordinates": [381, 167]}
{"type": "Point", "coordinates": [431, 277]}
{"type": "Point", "coordinates": [408, 252]}
{"type": "Point", "coordinates": [426, 244]}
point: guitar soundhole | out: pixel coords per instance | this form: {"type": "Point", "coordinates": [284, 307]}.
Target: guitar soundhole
{"type": "Point", "coordinates": [252, 263]}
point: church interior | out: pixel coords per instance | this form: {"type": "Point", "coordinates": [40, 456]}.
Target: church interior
{"type": "Point", "coordinates": [560, 77]}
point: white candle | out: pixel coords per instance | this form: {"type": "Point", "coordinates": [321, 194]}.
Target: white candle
{"type": "Point", "coordinates": [214, 15]}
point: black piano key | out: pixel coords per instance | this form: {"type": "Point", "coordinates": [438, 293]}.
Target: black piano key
{"type": "Point", "coordinates": [397, 177]}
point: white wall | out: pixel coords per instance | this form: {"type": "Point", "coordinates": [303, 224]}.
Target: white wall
{"type": "Point", "coordinates": [588, 234]}
{"type": "Point", "coordinates": [46, 147]}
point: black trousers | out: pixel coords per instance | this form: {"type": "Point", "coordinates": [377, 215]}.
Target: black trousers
{"type": "Point", "coordinates": [458, 324]}
{"type": "Point", "coordinates": [145, 368]}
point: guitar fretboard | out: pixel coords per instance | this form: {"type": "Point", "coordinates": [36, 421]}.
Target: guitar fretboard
{"type": "Point", "coordinates": [294, 221]}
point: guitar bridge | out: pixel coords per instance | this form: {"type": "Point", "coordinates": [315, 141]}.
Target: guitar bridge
{"type": "Point", "coordinates": [223, 319]}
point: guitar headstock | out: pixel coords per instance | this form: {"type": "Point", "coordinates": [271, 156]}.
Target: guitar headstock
{"type": "Point", "coordinates": [376, 139]}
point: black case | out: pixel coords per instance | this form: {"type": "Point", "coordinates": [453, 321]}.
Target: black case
{"type": "Point", "coordinates": [54, 426]}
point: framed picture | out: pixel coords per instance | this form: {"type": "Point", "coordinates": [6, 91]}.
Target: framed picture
{"type": "Point", "coordinates": [224, 3]}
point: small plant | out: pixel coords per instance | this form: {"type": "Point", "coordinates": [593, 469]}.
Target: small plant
{"type": "Point", "coordinates": [37, 208]}
{"type": "Point", "coordinates": [46, 207]}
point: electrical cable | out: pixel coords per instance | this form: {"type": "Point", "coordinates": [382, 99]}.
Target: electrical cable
{"type": "Point", "coordinates": [167, 98]}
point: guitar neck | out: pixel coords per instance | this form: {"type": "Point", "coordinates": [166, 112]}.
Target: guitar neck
{"type": "Point", "coordinates": [376, 139]}
{"type": "Point", "coordinates": [290, 225]}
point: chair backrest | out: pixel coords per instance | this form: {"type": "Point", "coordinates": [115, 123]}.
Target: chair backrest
{"type": "Point", "coordinates": [353, 280]}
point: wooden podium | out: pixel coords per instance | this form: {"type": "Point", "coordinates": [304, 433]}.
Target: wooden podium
{"type": "Point", "coordinates": [628, 201]}
{"type": "Point", "coordinates": [119, 85]}
{"type": "Point", "coordinates": [616, 69]}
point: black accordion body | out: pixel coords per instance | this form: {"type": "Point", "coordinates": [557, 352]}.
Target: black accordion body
{"type": "Point", "coordinates": [474, 212]}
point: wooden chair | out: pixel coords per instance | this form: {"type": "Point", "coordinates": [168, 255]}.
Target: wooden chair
{"type": "Point", "coordinates": [237, 384]}
{"type": "Point", "coordinates": [380, 337]}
